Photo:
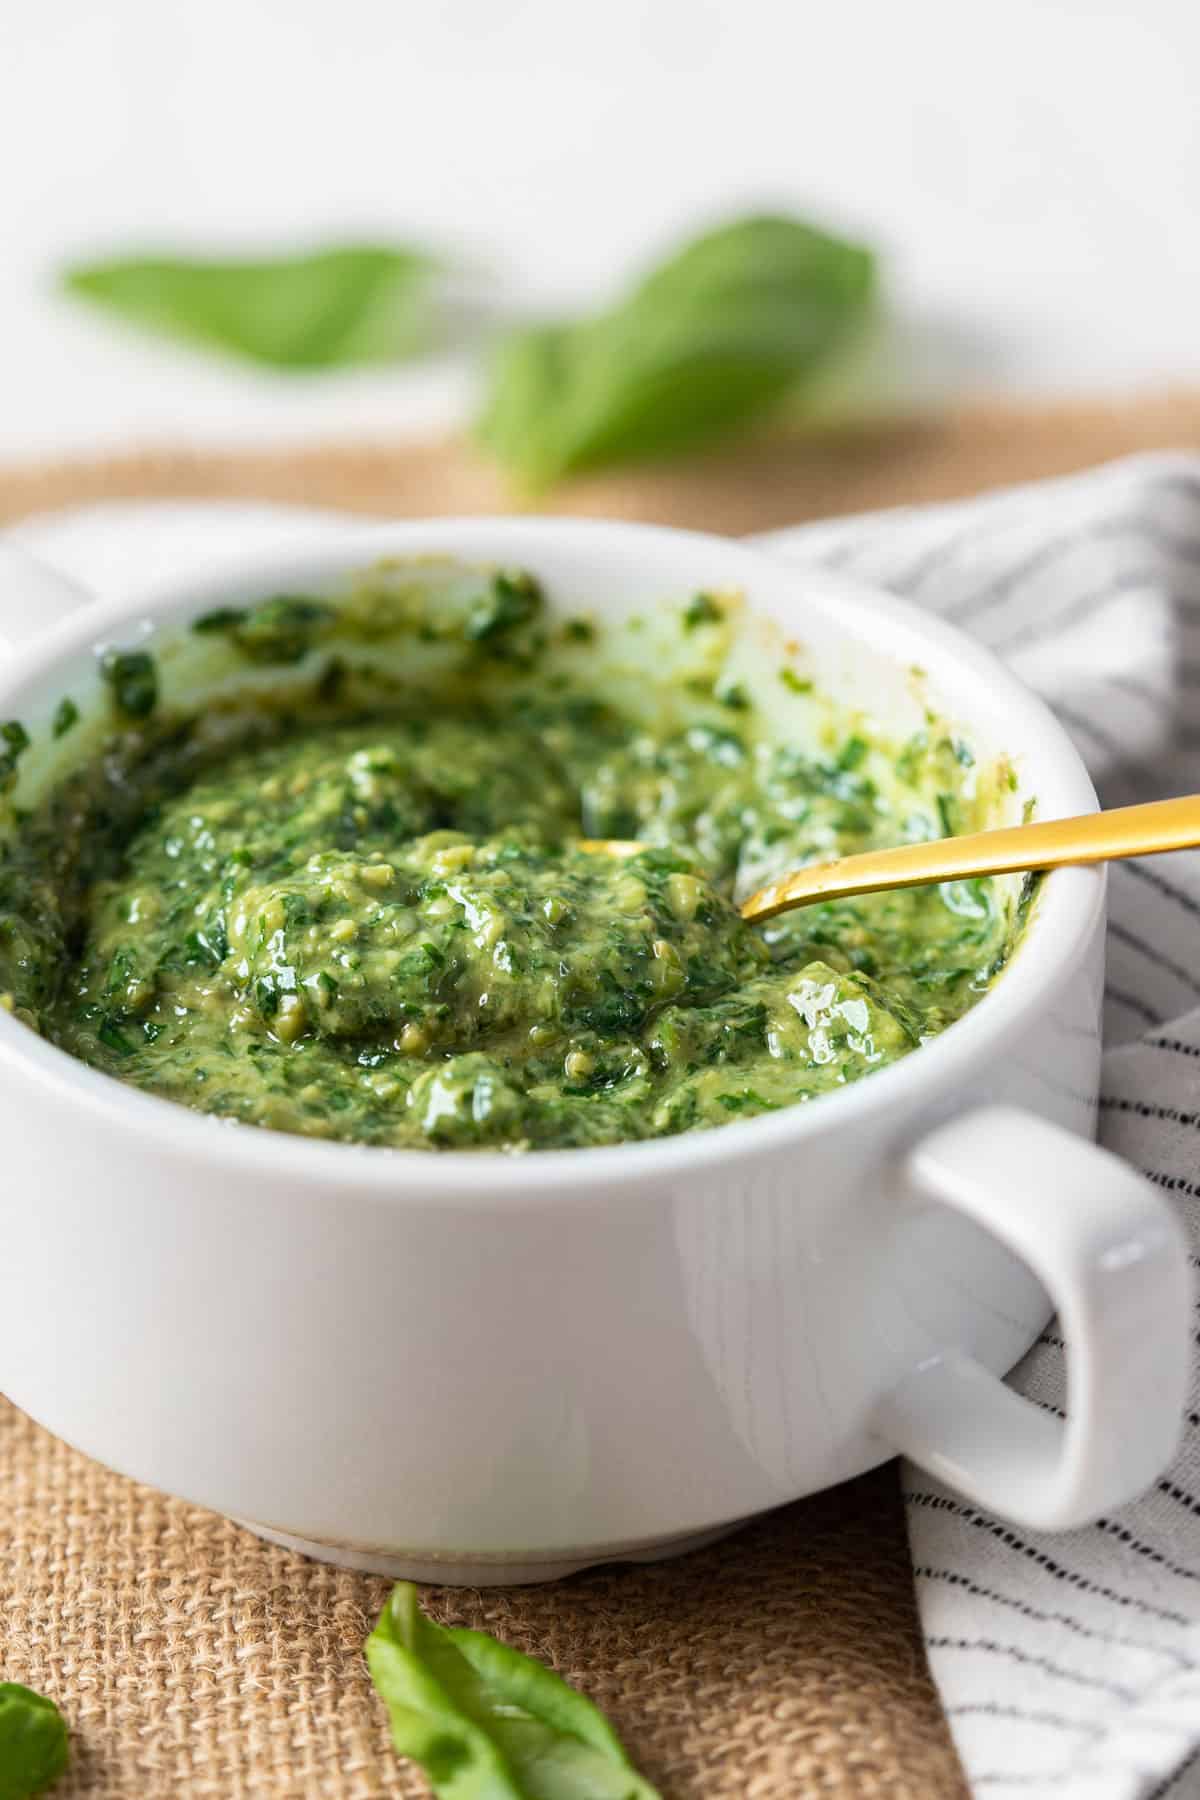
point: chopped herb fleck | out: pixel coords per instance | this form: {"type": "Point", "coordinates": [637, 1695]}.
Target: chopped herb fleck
{"type": "Point", "coordinates": [508, 601]}
{"type": "Point", "coordinates": [66, 714]}
{"type": "Point", "coordinates": [133, 678]}
{"type": "Point", "coordinates": [702, 610]}
{"type": "Point", "coordinates": [221, 618]}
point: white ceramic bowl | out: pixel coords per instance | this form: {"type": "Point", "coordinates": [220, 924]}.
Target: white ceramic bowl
{"type": "Point", "coordinates": [487, 1368]}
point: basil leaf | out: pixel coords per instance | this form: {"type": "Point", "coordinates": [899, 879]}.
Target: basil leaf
{"type": "Point", "coordinates": [706, 343]}
{"type": "Point", "coordinates": [348, 305]}
{"type": "Point", "coordinates": [486, 1722]}
{"type": "Point", "coordinates": [33, 1742]}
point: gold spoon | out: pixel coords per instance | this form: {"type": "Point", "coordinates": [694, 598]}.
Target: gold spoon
{"type": "Point", "coordinates": [1050, 844]}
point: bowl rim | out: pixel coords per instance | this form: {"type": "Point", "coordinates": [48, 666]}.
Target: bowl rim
{"type": "Point", "coordinates": [1055, 941]}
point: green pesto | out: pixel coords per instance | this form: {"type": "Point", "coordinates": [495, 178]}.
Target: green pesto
{"type": "Point", "coordinates": [368, 919]}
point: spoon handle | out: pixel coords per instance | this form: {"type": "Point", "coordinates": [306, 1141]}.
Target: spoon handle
{"type": "Point", "coordinates": [1049, 844]}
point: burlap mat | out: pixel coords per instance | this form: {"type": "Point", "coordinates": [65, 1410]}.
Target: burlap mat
{"type": "Point", "coordinates": [759, 486]}
{"type": "Point", "coordinates": [193, 1660]}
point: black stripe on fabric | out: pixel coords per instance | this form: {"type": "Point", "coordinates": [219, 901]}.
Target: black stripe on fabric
{"type": "Point", "coordinates": [1136, 527]}
{"type": "Point", "coordinates": [1173, 1184]}
{"type": "Point", "coordinates": [1048, 1779]}
{"type": "Point", "coordinates": [918, 572]}
{"type": "Point", "coordinates": [1085, 1100]}
{"type": "Point", "coordinates": [992, 1648]}
{"type": "Point", "coordinates": [1051, 1338]}
{"type": "Point", "coordinates": [1152, 954]}
{"type": "Point", "coordinates": [842, 542]}
{"type": "Point", "coordinates": [1124, 1536]}
{"type": "Point", "coordinates": [1137, 778]}
{"type": "Point", "coordinates": [1049, 625]}
{"type": "Point", "coordinates": [1083, 1583]}
{"type": "Point", "coordinates": [1167, 889]}
{"type": "Point", "coordinates": [990, 1709]}
{"type": "Point", "coordinates": [1114, 747]}
{"type": "Point", "coordinates": [1178, 1494]}
{"type": "Point", "coordinates": [1013, 1778]}
{"type": "Point", "coordinates": [834, 558]}
{"type": "Point", "coordinates": [1132, 1001]}
{"type": "Point", "coordinates": [1168, 1782]}
{"type": "Point", "coordinates": [1173, 1728]}
{"type": "Point", "coordinates": [1183, 483]}
{"type": "Point", "coordinates": [1156, 697]}
{"type": "Point", "coordinates": [1175, 1045]}
{"type": "Point", "coordinates": [1128, 783]}
{"type": "Point", "coordinates": [951, 1578]}
{"type": "Point", "coordinates": [857, 548]}
{"type": "Point", "coordinates": [1185, 737]}
{"type": "Point", "coordinates": [1144, 1109]}
{"type": "Point", "coordinates": [1128, 776]}
{"type": "Point", "coordinates": [915, 575]}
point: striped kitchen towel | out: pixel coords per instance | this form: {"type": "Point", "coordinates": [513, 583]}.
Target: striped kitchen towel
{"type": "Point", "coordinates": [1070, 1665]}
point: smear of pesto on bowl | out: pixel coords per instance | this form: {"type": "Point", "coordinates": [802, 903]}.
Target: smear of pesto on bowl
{"type": "Point", "coordinates": [353, 905]}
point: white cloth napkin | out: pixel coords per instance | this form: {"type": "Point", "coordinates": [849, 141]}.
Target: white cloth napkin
{"type": "Point", "coordinates": [1069, 1665]}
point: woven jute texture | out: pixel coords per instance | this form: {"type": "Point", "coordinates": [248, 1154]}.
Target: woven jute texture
{"type": "Point", "coordinates": [759, 485]}
{"type": "Point", "coordinates": [193, 1660]}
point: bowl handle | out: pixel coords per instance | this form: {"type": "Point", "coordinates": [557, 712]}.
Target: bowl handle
{"type": "Point", "coordinates": [1113, 1257]}
{"type": "Point", "coordinates": [33, 598]}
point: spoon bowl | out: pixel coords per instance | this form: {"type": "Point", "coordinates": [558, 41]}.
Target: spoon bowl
{"type": "Point", "coordinates": [1147, 830]}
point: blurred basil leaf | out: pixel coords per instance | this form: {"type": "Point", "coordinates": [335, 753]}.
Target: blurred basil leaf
{"type": "Point", "coordinates": [708, 342]}
{"type": "Point", "coordinates": [486, 1722]}
{"type": "Point", "coordinates": [33, 1742]}
{"type": "Point", "coordinates": [354, 304]}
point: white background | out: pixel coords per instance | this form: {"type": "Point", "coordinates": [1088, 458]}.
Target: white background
{"type": "Point", "coordinates": [1030, 167]}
